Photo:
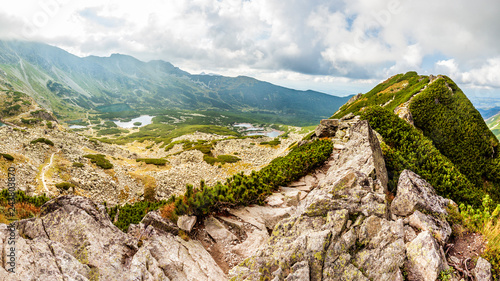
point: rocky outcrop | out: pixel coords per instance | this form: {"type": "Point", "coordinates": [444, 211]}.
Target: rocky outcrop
{"type": "Point", "coordinates": [74, 239]}
{"type": "Point", "coordinates": [414, 193]}
{"type": "Point", "coordinates": [341, 229]}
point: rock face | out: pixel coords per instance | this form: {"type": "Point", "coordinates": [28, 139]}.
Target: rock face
{"type": "Point", "coordinates": [74, 239]}
{"type": "Point", "coordinates": [340, 231]}
{"type": "Point", "coordinates": [414, 193]}
{"type": "Point", "coordinates": [425, 258]}
{"type": "Point", "coordinates": [327, 128]}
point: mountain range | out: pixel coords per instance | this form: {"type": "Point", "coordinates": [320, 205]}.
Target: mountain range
{"type": "Point", "coordinates": [70, 86]}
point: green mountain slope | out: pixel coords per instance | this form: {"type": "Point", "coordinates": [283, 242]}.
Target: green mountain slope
{"type": "Point", "coordinates": [70, 86]}
{"type": "Point", "coordinates": [443, 115]}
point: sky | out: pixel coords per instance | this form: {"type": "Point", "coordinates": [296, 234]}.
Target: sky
{"type": "Point", "coordinates": [333, 46]}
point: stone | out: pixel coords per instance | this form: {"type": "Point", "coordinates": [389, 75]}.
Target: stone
{"type": "Point", "coordinates": [300, 272]}
{"type": "Point", "coordinates": [275, 199]}
{"type": "Point", "coordinates": [482, 271]}
{"type": "Point", "coordinates": [74, 239]}
{"type": "Point", "coordinates": [414, 193]}
{"type": "Point", "coordinates": [218, 231]}
{"type": "Point", "coordinates": [425, 258]}
{"type": "Point", "coordinates": [232, 222]}
{"type": "Point", "coordinates": [439, 227]}
{"type": "Point", "coordinates": [410, 233]}
{"type": "Point", "coordinates": [254, 241]}
{"type": "Point", "coordinates": [161, 224]}
{"type": "Point", "coordinates": [327, 128]}
{"type": "Point", "coordinates": [186, 222]}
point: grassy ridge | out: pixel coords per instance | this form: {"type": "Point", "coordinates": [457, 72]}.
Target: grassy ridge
{"type": "Point", "coordinates": [391, 93]}
{"type": "Point", "coordinates": [457, 129]}
{"type": "Point", "coordinates": [407, 148]}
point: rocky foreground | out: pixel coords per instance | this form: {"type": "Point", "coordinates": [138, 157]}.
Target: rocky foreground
{"type": "Point", "coordinates": [335, 224]}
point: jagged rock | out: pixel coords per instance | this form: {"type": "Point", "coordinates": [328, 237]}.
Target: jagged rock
{"type": "Point", "coordinates": [482, 271]}
{"type": "Point", "coordinates": [218, 231]}
{"type": "Point", "coordinates": [318, 239]}
{"type": "Point", "coordinates": [425, 258]}
{"type": "Point", "coordinates": [254, 241]}
{"type": "Point", "coordinates": [159, 223]}
{"type": "Point", "coordinates": [186, 222]}
{"type": "Point", "coordinates": [74, 239]}
{"type": "Point", "coordinates": [414, 193]}
{"type": "Point", "coordinates": [439, 227]}
{"type": "Point", "coordinates": [410, 234]}
{"type": "Point", "coordinates": [167, 257]}
{"type": "Point", "coordinates": [326, 128]}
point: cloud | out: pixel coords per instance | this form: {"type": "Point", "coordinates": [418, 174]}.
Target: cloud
{"type": "Point", "coordinates": [363, 40]}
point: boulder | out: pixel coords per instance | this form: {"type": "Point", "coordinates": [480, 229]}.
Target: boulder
{"type": "Point", "coordinates": [439, 227]}
{"type": "Point", "coordinates": [425, 258]}
{"type": "Point", "coordinates": [186, 222]}
{"type": "Point", "coordinates": [414, 193]}
{"type": "Point", "coordinates": [161, 224]}
{"type": "Point", "coordinates": [326, 128]}
{"type": "Point", "coordinates": [74, 239]}
{"type": "Point", "coordinates": [218, 231]}
{"type": "Point", "coordinates": [482, 271]}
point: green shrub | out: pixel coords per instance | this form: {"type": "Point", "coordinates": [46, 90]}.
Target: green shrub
{"type": "Point", "coordinates": [407, 148]}
{"type": "Point", "coordinates": [49, 125]}
{"type": "Point", "coordinates": [222, 159]}
{"type": "Point", "coordinates": [100, 160]}
{"type": "Point", "coordinates": [243, 189]}
{"type": "Point", "coordinates": [137, 123]}
{"type": "Point", "coordinates": [457, 129]}
{"type": "Point", "coordinates": [64, 185]}
{"type": "Point", "coordinates": [78, 165]}
{"type": "Point", "coordinates": [154, 161]}
{"type": "Point", "coordinates": [21, 197]}
{"type": "Point", "coordinates": [272, 143]}
{"type": "Point", "coordinates": [43, 140]}
{"type": "Point", "coordinates": [7, 156]}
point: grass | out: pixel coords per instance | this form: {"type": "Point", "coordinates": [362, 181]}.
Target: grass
{"type": "Point", "coordinates": [221, 159]}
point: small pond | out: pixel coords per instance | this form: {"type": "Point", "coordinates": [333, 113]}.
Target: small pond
{"type": "Point", "coordinates": [143, 119]}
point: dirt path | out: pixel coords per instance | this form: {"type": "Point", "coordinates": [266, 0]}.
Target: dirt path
{"type": "Point", "coordinates": [44, 170]}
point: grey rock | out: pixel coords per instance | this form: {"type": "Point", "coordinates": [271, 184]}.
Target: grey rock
{"type": "Point", "coordinates": [317, 233]}
{"type": "Point", "coordinates": [414, 193]}
{"type": "Point", "coordinates": [300, 272]}
{"type": "Point", "coordinates": [482, 271]}
{"type": "Point", "coordinates": [327, 128]}
{"type": "Point", "coordinates": [439, 227]}
{"type": "Point", "coordinates": [186, 222]}
{"type": "Point", "coordinates": [425, 258]}
{"type": "Point", "coordinates": [161, 224]}
{"type": "Point", "coordinates": [218, 231]}
{"type": "Point", "coordinates": [74, 239]}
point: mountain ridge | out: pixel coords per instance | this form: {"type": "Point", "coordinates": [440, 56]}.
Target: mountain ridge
{"type": "Point", "coordinates": [96, 81]}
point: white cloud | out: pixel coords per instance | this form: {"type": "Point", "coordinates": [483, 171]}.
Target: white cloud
{"type": "Point", "coordinates": [363, 39]}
